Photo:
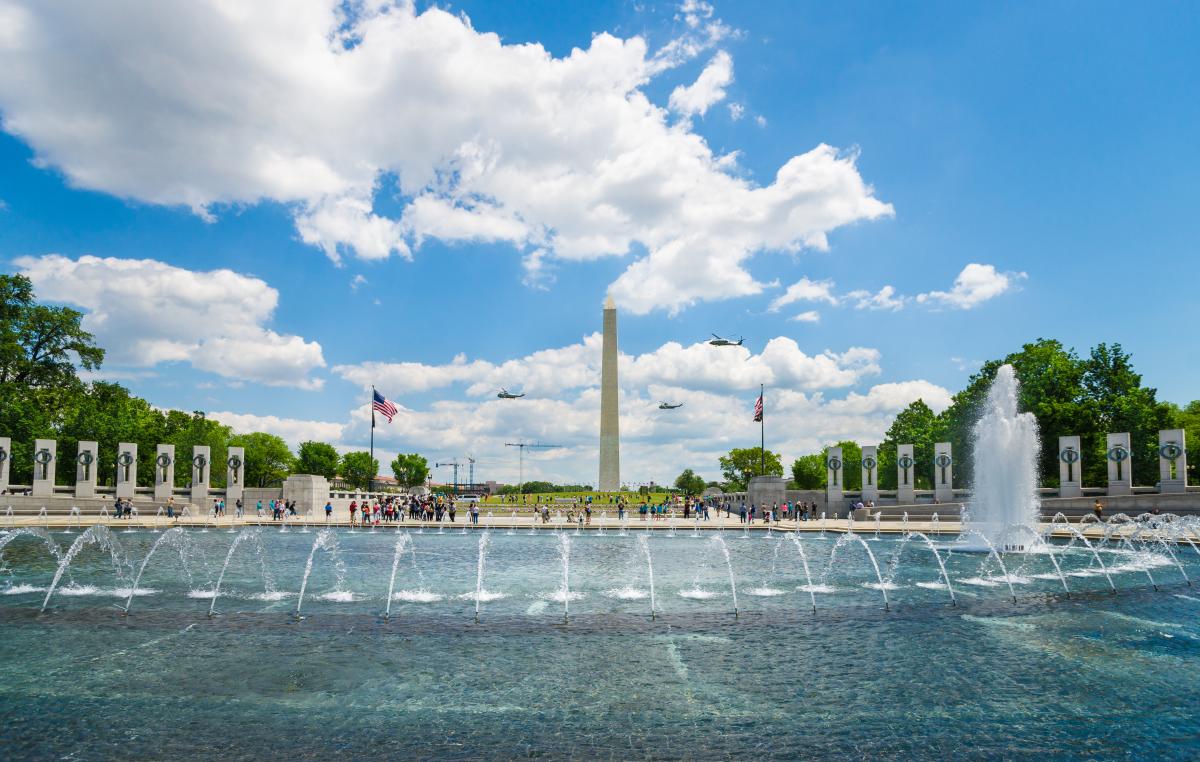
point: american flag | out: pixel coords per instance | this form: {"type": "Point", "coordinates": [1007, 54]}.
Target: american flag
{"type": "Point", "coordinates": [381, 403]}
{"type": "Point", "coordinates": [758, 410]}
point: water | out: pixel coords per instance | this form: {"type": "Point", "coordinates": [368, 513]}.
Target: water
{"type": "Point", "coordinates": [925, 680]}
{"type": "Point", "coordinates": [1004, 495]}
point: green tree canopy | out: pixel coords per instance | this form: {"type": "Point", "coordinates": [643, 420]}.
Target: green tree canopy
{"type": "Point", "coordinates": [744, 463]}
{"type": "Point", "coordinates": [916, 425]}
{"type": "Point", "coordinates": [358, 469]}
{"type": "Point", "coordinates": [318, 459]}
{"type": "Point", "coordinates": [808, 471]}
{"type": "Point", "coordinates": [410, 470]}
{"type": "Point", "coordinates": [40, 345]}
{"type": "Point", "coordinates": [268, 459]}
{"type": "Point", "coordinates": [689, 483]}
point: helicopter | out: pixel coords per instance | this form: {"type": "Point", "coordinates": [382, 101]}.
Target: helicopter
{"type": "Point", "coordinates": [717, 341]}
{"type": "Point", "coordinates": [669, 406]}
{"type": "Point", "coordinates": [507, 395]}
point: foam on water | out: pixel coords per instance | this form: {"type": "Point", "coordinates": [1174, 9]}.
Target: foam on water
{"type": "Point", "coordinates": [932, 585]}
{"type": "Point", "coordinates": [482, 595]}
{"type": "Point", "coordinates": [980, 581]}
{"type": "Point", "coordinates": [765, 592]}
{"type": "Point", "coordinates": [560, 596]}
{"type": "Point", "coordinates": [23, 589]}
{"type": "Point", "coordinates": [627, 594]}
{"type": "Point", "coordinates": [110, 592]}
{"type": "Point", "coordinates": [698, 594]}
{"type": "Point", "coordinates": [816, 588]}
{"type": "Point", "coordinates": [417, 596]}
{"type": "Point", "coordinates": [337, 596]}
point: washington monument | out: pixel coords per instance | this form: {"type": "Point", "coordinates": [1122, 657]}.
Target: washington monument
{"type": "Point", "coordinates": [610, 423]}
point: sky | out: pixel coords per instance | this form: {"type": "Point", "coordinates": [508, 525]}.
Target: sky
{"type": "Point", "coordinates": [263, 209]}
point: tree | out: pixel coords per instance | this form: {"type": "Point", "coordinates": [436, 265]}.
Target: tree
{"type": "Point", "coordinates": [851, 471]}
{"type": "Point", "coordinates": [916, 425]}
{"type": "Point", "coordinates": [40, 346]}
{"type": "Point", "coordinates": [808, 471]}
{"type": "Point", "coordinates": [744, 463]}
{"type": "Point", "coordinates": [1116, 401]}
{"type": "Point", "coordinates": [317, 458]}
{"type": "Point", "coordinates": [268, 460]}
{"type": "Point", "coordinates": [359, 469]}
{"type": "Point", "coordinates": [411, 470]}
{"type": "Point", "coordinates": [185, 432]}
{"type": "Point", "coordinates": [1050, 379]}
{"type": "Point", "coordinates": [688, 483]}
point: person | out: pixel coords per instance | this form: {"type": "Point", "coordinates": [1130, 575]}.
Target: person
{"type": "Point", "coordinates": [474, 513]}
{"type": "Point", "coordinates": [453, 508]}
{"type": "Point", "coordinates": [258, 508]}
{"type": "Point", "coordinates": [621, 511]}
{"type": "Point", "coordinates": [239, 508]}
{"type": "Point", "coordinates": [1098, 509]}
{"type": "Point", "coordinates": [353, 510]}
{"type": "Point", "coordinates": [742, 514]}
{"type": "Point", "coordinates": [328, 511]}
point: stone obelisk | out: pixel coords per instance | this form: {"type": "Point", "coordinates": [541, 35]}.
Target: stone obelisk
{"type": "Point", "coordinates": [610, 424]}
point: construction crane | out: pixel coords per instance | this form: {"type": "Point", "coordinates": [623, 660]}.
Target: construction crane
{"type": "Point", "coordinates": [521, 460]}
{"type": "Point", "coordinates": [453, 464]}
{"type": "Point", "coordinates": [471, 478]}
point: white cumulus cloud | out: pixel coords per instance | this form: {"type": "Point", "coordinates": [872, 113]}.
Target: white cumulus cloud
{"type": "Point", "coordinates": [145, 312]}
{"type": "Point", "coordinates": [709, 87]}
{"type": "Point", "coordinates": [323, 105]}
{"type": "Point", "coordinates": [974, 285]}
{"type": "Point", "coordinates": [805, 290]}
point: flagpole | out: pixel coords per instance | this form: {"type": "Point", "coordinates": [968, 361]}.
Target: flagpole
{"type": "Point", "coordinates": [372, 432]}
{"type": "Point", "coordinates": [762, 431]}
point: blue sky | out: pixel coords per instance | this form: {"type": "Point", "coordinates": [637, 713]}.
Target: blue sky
{"type": "Point", "coordinates": [1047, 144]}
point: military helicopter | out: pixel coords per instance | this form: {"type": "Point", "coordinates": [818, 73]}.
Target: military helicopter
{"type": "Point", "coordinates": [669, 406]}
{"type": "Point", "coordinates": [507, 395]}
{"type": "Point", "coordinates": [717, 341]}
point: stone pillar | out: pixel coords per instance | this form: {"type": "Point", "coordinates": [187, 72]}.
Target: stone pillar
{"type": "Point", "coordinates": [310, 493]}
{"type": "Point", "coordinates": [870, 473]}
{"type": "Point", "coordinates": [834, 468]}
{"type": "Point", "coordinates": [45, 457]}
{"type": "Point", "coordinates": [1120, 464]}
{"type": "Point", "coordinates": [5, 462]}
{"type": "Point", "coordinates": [85, 469]}
{"type": "Point", "coordinates": [943, 473]}
{"type": "Point", "coordinates": [201, 473]}
{"type": "Point", "coordinates": [164, 473]}
{"type": "Point", "coordinates": [1070, 467]}
{"type": "Point", "coordinates": [906, 475]}
{"type": "Point", "coordinates": [235, 474]}
{"type": "Point", "coordinates": [1172, 461]}
{"type": "Point", "coordinates": [126, 469]}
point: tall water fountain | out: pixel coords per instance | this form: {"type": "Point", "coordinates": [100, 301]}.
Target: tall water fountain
{"type": "Point", "coordinates": [1004, 495]}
